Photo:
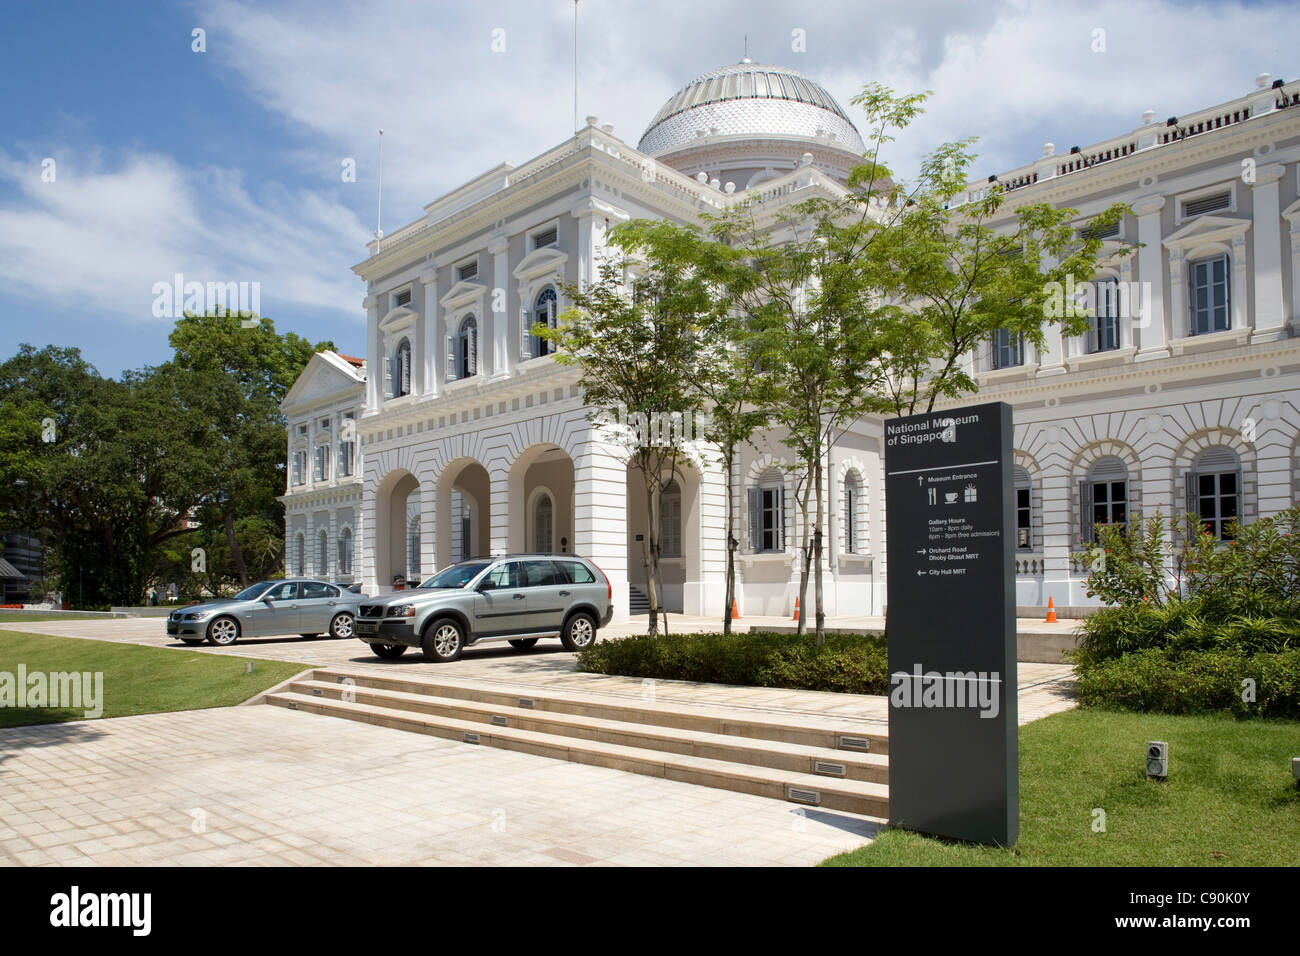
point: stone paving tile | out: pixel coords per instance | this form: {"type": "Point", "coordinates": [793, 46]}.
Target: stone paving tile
{"type": "Point", "coordinates": [279, 787]}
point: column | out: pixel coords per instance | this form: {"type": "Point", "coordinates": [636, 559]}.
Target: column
{"type": "Point", "coordinates": [704, 548]}
{"type": "Point", "coordinates": [374, 364]}
{"type": "Point", "coordinates": [499, 507]}
{"type": "Point", "coordinates": [1051, 358]}
{"type": "Point", "coordinates": [431, 373]}
{"type": "Point", "coordinates": [428, 527]}
{"type": "Point", "coordinates": [600, 516]}
{"type": "Point", "coordinates": [499, 248]}
{"type": "Point", "coordinates": [594, 219]}
{"type": "Point", "coordinates": [1270, 309]}
{"type": "Point", "coordinates": [1150, 328]}
{"type": "Point", "coordinates": [1058, 504]}
{"type": "Point", "coordinates": [1292, 216]}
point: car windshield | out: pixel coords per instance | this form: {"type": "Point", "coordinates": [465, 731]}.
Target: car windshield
{"type": "Point", "coordinates": [253, 593]}
{"type": "Point", "coordinates": [456, 576]}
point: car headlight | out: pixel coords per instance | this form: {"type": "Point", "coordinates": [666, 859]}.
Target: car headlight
{"type": "Point", "coordinates": [193, 617]}
{"type": "Point", "coordinates": [402, 610]}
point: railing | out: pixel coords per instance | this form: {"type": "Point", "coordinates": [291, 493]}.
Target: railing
{"type": "Point", "coordinates": [1077, 161]}
{"type": "Point", "coordinates": [1029, 564]}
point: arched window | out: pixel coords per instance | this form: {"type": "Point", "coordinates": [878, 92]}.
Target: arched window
{"type": "Point", "coordinates": [1208, 295]}
{"type": "Point", "coordinates": [467, 348]}
{"type": "Point", "coordinates": [1024, 509]}
{"type": "Point", "coordinates": [670, 520]}
{"type": "Point", "coordinates": [853, 513]}
{"type": "Point", "coordinates": [544, 313]}
{"type": "Point", "coordinates": [323, 554]}
{"type": "Point", "coordinates": [543, 524]}
{"type": "Point", "coordinates": [300, 555]}
{"type": "Point", "coordinates": [1214, 490]}
{"type": "Point", "coordinates": [767, 512]}
{"type": "Point", "coordinates": [413, 547]}
{"type": "Point", "coordinates": [345, 551]}
{"type": "Point", "coordinates": [402, 368]}
{"type": "Point", "coordinates": [1103, 495]}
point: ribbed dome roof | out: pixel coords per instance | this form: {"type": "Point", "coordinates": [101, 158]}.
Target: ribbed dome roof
{"type": "Point", "coordinates": [749, 98]}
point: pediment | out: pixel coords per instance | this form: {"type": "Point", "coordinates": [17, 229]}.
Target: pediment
{"type": "Point", "coordinates": [1206, 229]}
{"type": "Point", "coordinates": [541, 262]}
{"type": "Point", "coordinates": [398, 318]}
{"type": "Point", "coordinates": [326, 374]}
{"type": "Point", "coordinates": [463, 293]}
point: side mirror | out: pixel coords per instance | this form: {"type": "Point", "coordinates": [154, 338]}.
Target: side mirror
{"type": "Point", "coordinates": [268, 601]}
{"type": "Point", "coordinates": [487, 584]}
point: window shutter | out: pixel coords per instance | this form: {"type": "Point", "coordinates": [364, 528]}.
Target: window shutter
{"type": "Point", "coordinates": [451, 358]}
{"type": "Point", "coordinates": [1093, 340]}
{"type": "Point", "coordinates": [780, 513]}
{"type": "Point", "coordinates": [471, 360]}
{"type": "Point", "coordinates": [406, 369]}
{"type": "Point", "coordinates": [389, 377]}
{"type": "Point", "coordinates": [1087, 530]}
{"type": "Point", "coordinates": [755, 517]}
{"type": "Point", "coordinates": [525, 339]}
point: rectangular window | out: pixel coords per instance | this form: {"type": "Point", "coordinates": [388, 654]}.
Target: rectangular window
{"type": "Point", "coordinates": [1207, 204]}
{"type": "Point", "coordinates": [347, 454]}
{"type": "Point", "coordinates": [547, 237]}
{"type": "Point", "coordinates": [468, 271]}
{"type": "Point", "coordinates": [1105, 325]}
{"type": "Point", "coordinates": [670, 526]}
{"type": "Point", "coordinates": [769, 534]}
{"type": "Point", "coordinates": [322, 463]}
{"type": "Point", "coordinates": [402, 298]}
{"type": "Point", "coordinates": [1218, 502]}
{"type": "Point", "coordinates": [1109, 502]}
{"type": "Point", "coordinates": [1008, 349]}
{"type": "Point", "coordinates": [1208, 294]}
{"type": "Point", "coordinates": [299, 467]}
{"type": "Point", "coordinates": [1024, 524]}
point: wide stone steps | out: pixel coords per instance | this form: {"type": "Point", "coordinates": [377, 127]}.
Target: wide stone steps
{"type": "Point", "coordinates": [819, 732]}
{"type": "Point", "coordinates": [564, 726]}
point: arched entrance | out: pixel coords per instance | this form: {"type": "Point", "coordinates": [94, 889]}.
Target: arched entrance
{"type": "Point", "coordinates": [397, 501]}
{"type": "Point", "coordinates": [464, 515]}
{"type": "Point", "coordinates": [679, 529]}
{"type": "Point", "coordinates": [541, 500]}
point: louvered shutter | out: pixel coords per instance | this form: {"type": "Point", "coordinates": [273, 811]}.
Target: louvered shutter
{"type": "Point", "coordinates": [525, 339]}
{"type": "Point", "coordinates": [451, 358]}
{"type": "Point", "coordinates": [1189, 490]}
{"type": "Point", "coordinates": [471, 356]}
{"type": "Point", "coordinates": [780, 519]}
{"type": "Point", "coordinates": [405, 359]}
{"type": "Point", "coordinates": [1087, 529]}
{"type": "Point", "coordinates": [389, 377]}
{"type": "Point", "coordinates": [755, 517]}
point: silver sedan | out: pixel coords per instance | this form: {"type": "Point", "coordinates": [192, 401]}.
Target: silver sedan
{"type": "Point", "coordinates": [298, 606]}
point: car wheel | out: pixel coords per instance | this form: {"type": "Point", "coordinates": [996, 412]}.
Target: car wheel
{"type": "Point", "coordinates": [523, 643]}
{"type": "Point", "coordinates": [579, 632]}
{"type": "Point", "coordinates": [389, 652]}
{"type": "Point", "coordinates": [443, 641]}
{"type": "Point", "coordinates": [223, 632]}
{"type": "Point", "coordinates": [192, 641]}
{"type": "Point", "coordinates": [341, 626]}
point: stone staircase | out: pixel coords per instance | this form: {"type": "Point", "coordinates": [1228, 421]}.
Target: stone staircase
{"type": "Point", "coordinates": [787, 757]}
{"type": "Point", "coordinates": [638, 602]}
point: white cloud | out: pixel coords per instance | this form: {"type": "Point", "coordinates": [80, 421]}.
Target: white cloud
{"type": "Point", "coordinates": [98, 237]}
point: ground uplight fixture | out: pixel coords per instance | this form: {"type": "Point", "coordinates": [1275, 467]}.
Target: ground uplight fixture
{"type": "Point", "coordinates": [1295, 770]}
{"type": "Point", "coordinates": [1157, 759]}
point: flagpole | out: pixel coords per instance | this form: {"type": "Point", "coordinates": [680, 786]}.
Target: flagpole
{"type": "Point", "coordinates": [379, 212]}
{"type": "Point", "coordinates": [575, 65]}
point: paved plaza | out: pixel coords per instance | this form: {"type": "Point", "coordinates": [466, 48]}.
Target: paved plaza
{"type": "Point", "coordinates": [263, 785]}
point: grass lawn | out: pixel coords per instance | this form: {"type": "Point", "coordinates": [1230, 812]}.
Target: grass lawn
{"type": "Point", "coordinates": [1229, 800]}
{"type": "Point", "coordinates": [137, 680]}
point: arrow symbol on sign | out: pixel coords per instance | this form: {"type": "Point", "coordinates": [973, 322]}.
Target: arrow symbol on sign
{"type": "Point", "coordinates": [920, 550]}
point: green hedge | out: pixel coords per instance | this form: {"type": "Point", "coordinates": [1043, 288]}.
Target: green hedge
{"type": "Point", "coordinates": [1173, 681]}
{"type": "Point", "coordinates": [846, 663]}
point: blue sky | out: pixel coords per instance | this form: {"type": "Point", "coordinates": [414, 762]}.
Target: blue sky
{"type": "Point", "coordinates": [226, 165]}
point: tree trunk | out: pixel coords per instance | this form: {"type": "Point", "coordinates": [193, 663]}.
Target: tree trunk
{"type": "Point", "coordinates": [817, 552]}
{"type": "Point", "coordinates": [730, 597]}
{"type": "Point", "coordinates": [805, 550]}
{"type": "Point", "coordinates": [652, 556]}
{"type": "Point", "coordinates": [236, 554]}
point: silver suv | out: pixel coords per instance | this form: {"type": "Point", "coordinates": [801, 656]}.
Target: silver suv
{"type": "Point", "coordinates": [516, 597]}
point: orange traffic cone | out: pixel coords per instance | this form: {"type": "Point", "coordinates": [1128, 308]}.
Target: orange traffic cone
{"type": "Point", "coordinates": [1051, 611]}
{"type": "Point", "coordinates": [735, 611]}
{"type": "Point", "coordinates": [796, 609]}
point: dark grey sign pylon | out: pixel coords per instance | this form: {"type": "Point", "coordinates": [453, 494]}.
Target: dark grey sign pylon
{"type": "Point", "coordinates": [949, 505]}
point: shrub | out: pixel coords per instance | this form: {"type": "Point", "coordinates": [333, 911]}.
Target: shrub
{"type": "Point", "coordinates": [846, 663]}
{"type": "Point", "coordinates": [1173, 682]}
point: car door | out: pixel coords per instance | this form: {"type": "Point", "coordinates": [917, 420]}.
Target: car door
{"type": "Point", "coordinates": [549, 593]}
{"type": "Point", "coordinates": [279, 615]}
{"type": "Point", "coordinates": [317, 607]}
{"type": "Point", "coordinates": [501, 601]}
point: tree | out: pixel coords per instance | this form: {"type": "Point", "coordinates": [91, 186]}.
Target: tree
{"type": "Point", "coordinates": [724, 387]}
{"type": "Point", "coordinates": [634, 333]}
{"type": "Point", "coordinates": [235, 378]}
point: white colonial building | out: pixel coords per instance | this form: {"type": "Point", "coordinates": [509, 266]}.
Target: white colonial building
{"type": "Point", "coordinates": [476, 441]}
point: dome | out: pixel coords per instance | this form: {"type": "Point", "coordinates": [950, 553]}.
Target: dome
{"type": "Point", "coordinates": [753, 99]}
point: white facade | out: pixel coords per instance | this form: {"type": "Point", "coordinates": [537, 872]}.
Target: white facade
{"type": "Point", "coordinates": [324, 520]}
{"type": "Point", "coordinates": [475, 442]}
